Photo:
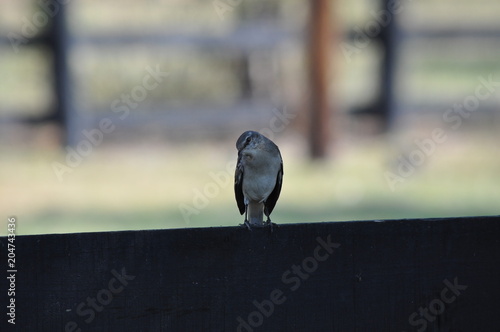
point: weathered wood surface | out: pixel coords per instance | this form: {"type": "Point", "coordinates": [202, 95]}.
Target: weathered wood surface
{"type": "Point", "coordinates": [401, 275]}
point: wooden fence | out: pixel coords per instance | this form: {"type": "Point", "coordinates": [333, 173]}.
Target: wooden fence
{"type": "Point", "coordinates": [399, 275]}
{"type": "Point", "coordinates": [58, 40]}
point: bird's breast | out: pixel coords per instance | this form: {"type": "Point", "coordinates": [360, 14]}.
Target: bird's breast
{"type": "Point", "coordinates": [257, 187]}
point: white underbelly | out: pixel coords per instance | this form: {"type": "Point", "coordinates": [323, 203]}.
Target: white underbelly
{"type": "Point", "coordinates": [258, 188]}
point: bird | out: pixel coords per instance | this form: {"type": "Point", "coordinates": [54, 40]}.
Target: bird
{"type": "Point", "coordinates": [258, 177]}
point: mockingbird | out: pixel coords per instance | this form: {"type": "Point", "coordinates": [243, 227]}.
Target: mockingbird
{"type": "Point", "coordinates": [258, 177]}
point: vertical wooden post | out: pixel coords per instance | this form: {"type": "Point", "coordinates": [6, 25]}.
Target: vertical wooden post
{"type": "Point", "coordinates": [387, 104]}
{"type": "Point", "coordinates": [64, 113]}
{"type": "Point", "coordinates": [319, 45]}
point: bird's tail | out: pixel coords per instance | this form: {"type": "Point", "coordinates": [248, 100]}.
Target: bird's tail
{"type": "Point", "coordinates": [256, 214]}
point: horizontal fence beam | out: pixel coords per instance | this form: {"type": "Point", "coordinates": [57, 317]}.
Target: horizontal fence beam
{"type": "Point", "coordinates": [399, 275]}
{"type": "Point", "coordinates": [248, 38]}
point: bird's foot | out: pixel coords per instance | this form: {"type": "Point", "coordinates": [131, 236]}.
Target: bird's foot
{"type": "Point", "coordinates": [270, 224]}
{"type": "Point", "coordinates": [247, 224]}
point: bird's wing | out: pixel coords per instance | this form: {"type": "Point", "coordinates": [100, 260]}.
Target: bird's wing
{"type": "Point", "coordinates": [238, 186]}
{"type": "Point", "coordinates": [275, 194]}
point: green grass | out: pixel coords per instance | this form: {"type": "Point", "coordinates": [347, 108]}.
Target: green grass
{"type": "Point", "coordinates": [137, 188]}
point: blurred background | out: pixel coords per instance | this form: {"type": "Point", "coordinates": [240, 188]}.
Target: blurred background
{"type": "Point", "coordinates": [118, 115]}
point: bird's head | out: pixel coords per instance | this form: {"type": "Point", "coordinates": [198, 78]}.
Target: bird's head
{"type": "Point", "coordinates": [252, 144]}
{"type": "Point", "coordinates": [249, 140]}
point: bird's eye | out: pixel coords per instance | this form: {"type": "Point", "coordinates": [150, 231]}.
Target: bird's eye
{"type": "Point", "coordinates": [248, 139]}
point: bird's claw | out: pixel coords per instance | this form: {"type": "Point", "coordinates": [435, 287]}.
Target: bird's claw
{"type": "Point", "coordinates": [247, 224]}
{"type": "Point", "coordinates": [267, 223]}
{"type": "Point", "coordinates": [270, 224]}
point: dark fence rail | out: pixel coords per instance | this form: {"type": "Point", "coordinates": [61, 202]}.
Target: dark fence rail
{"type": "Point", "coordinates": [400, 275]}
